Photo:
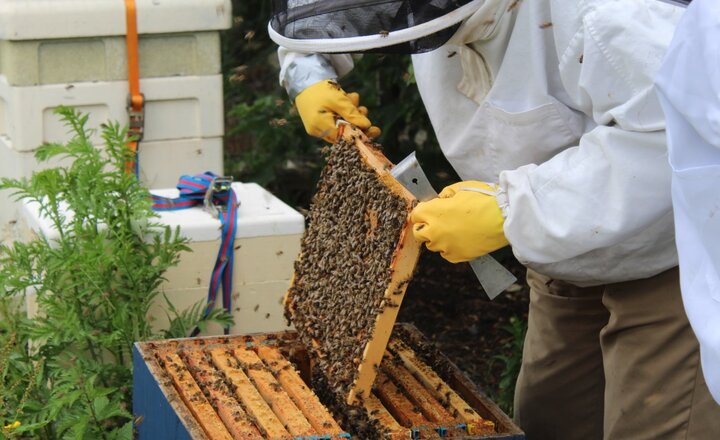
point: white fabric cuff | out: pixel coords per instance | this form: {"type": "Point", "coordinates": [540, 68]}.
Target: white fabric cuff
{"type": "Point", "coordinates": [305, 70]}
{"type": "Point", "coordinates": [502, 200]}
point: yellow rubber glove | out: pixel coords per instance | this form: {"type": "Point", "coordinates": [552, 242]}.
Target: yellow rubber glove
{"type": "Point", "coordinates": [464, 223]}
{"type": "Point", "coordinates": [324, 102]}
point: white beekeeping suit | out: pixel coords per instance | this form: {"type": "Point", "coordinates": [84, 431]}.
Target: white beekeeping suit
{"type": "Point", "coordinates": [561, 111]}
{"type": "Point", "coordinates": [554, 101]}
{"type": "Point", "coordinates": [689, 88]}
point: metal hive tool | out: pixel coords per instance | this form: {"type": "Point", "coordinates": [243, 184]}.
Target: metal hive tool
{"type": "Point", "coordinates": [357, 257]}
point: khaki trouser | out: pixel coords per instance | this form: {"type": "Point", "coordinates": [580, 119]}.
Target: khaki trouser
{"type": "Point", "coordinates": [612, 362]}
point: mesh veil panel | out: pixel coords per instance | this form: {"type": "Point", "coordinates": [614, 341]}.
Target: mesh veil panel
{"type": "Point", "coordinates": [328, 19]}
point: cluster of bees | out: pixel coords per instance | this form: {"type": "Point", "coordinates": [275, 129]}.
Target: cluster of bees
{"type": "Point", "coordinates": [341, 277]}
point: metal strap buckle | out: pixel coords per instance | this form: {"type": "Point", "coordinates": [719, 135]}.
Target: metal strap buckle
{"type": "Point", "coordinates": [136, 118]}
{"type": "Point", "coordinates": [219, 184]}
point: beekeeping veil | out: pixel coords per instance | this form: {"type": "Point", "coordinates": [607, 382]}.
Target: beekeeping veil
{"type": "Point", "coordinates": [346, 26]}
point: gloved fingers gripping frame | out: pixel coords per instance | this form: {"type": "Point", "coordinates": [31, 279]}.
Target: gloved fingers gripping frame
{"type": "Point", "coordinates": [350, 26]}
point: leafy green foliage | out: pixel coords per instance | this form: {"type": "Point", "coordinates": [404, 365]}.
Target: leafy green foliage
{"type": "Point", "coordinates": [266, 141]}
{"type": "Point", "coordinates": [511, 361]}
{"type": "Point", "coordinates": [184, 322]}
{"type": "Point", "coordinates": [66, 371]}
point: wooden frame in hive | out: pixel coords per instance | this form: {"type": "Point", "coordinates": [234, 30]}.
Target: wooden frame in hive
{"type": "Point", "coordinates": [420, 394]}
{"type": "Point", "coordinates": [239, 387]}
{"type": "Point", "coordinates": [399, 257]}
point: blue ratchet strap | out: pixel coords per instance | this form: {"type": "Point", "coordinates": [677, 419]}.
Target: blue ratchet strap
{"type": "Point", "coordinates": [210, 190]}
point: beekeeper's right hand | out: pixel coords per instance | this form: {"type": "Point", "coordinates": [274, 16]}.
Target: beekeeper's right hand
{"type": "Point", "coordinates": [324, 102]}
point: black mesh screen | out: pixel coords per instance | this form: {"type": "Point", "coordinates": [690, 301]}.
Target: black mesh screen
{"type": "Point", "coordinates": [327, 19]}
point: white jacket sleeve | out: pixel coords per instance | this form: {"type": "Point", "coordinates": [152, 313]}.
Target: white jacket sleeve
{"type": "Point", "coordinates": [301, 70]}
{"type": "Point", "coordinates": [601, 211]}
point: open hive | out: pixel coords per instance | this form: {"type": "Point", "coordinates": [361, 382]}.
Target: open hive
{"type": "Point", "coordinates": [235, 388]}
{"type": "Point", "coordinates": [357, 257]}
{"type": "Point", "coordinates": [257, 387]}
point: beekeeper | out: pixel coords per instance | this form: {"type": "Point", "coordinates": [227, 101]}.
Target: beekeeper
{"type": "Point", "coordinates": [547, 111]}
{"type": "Point", "coordinates": [689, 89]}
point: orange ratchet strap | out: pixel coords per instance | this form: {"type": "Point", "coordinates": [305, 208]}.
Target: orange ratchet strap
{"type": "Point", "coordinates": [136, 100]}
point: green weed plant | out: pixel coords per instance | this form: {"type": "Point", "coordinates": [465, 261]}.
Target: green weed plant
{"type": "Point", "coordinates": [511, 360]}
{"type": "Point", "coordinates": [66, 372]}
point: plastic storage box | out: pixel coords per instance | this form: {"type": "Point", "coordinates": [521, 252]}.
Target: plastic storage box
{"type": "Point", "coordinates": [73, 52]}
{"type": "Point", "coordinates": [266, 245]}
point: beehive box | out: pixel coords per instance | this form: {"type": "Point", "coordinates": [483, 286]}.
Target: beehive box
{"type": "Point", "coordinates": [240, 387]}
{"type": "Point", "coordinates": [193, 155]}
{"type": "Point", "coordinates": [188, 154]}
{"type": "Point", "coordinates": [67, 41]}
{"type": "Point", "coordinates": [73, 52]}
{"type": "Point", "coordinates": [182, 107]}
{"type": "Point", "coordinates": [263, 386]}
{"type": "Point", "coordinates": [104, 58]}
{"type": "Point", "coordinates": [266, 244]}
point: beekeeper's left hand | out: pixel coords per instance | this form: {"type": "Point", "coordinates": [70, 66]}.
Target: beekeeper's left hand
{"type": "Point", "coordinates": [324, 102]}
{"type": "Point", "coordinates": [463, 223]}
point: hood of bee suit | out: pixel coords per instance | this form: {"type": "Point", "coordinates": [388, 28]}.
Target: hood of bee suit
{"type": "Point", "coordinates": [351, 26]}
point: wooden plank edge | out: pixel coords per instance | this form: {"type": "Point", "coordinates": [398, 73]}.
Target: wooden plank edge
{"type": "Point", "coordinates": [459, 382]}
{"type": "Point", "coordinates": [376, 411]}
{"type": "Point", "coordinates": [399, 406]}
{"type": "Point", "coordinates": [419, 395]}
{"type": "Point", "coordinates": [440, 389]}
{"type": "Point", "coordinates": [209, 342]}
{"type": "Point", "coordinates": [147, 351]}
{"type": "Point", "coordinates": [228, 408]}
{"type": "Point", "coordinates": [404, 261]}
{"type": "Point", "coordinates": [305, 399]}
{"type": "Point", "coordinates": [194, 398]}
{"type": "Point", "coordinates": [274, 394]}
{"type": "Point", "coordinates": [246, 392]}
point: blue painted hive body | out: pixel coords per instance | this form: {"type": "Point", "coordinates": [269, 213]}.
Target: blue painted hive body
{"type": "Point", "coordinates": [258, 387]}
